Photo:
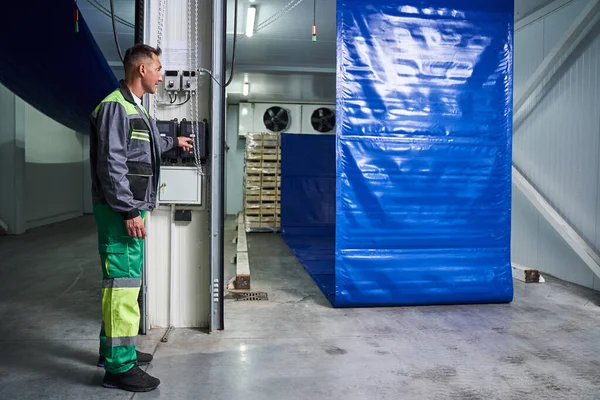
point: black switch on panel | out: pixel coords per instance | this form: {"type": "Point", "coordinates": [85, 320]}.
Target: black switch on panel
{"type": "Point", "coordinates": [183, 215]}
{"type": "Point", "coordinates": [198, 132]}
{"type": "Point", "coordinates": [169, 129]}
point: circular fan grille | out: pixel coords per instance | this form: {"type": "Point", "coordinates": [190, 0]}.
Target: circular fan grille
{"type": "Point", "coordinates": [276, 119]}
{"type": "Point", "coordinates": [323, 120]}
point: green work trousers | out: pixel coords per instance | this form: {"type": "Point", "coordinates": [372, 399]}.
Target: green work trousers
{"type": "Point", "coordinates": [121, 258]}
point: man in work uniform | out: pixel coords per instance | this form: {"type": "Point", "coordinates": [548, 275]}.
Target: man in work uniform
{"type": "Point", "coordinates": [125, 153]}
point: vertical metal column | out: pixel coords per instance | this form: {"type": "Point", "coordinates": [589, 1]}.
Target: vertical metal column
{"type": "Point", "coordinates": [143, 7]}
{"type": "Point", "coordinates": [218, 164]}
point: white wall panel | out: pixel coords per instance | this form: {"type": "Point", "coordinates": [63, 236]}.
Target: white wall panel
{"type": "Point", "coordinates": [53, 171]}
{"type": "Point", "coordinates": [191, 269]}
{"type": "Point", "coordinates": [556, 23]}
{"type": "Point", "coordinates": [12, 161]}
{"type": "Point", "coordinates": [536, 244]}
{"type": "Point", "coordinates": [557, 147]}
{"type": "Point", "coordinates": [525, 227]}
{"type": "Point", "coordinates": [597, 243]}
{"type": "Point", "coordinates": [528, 54]}
{"type": "Point", "coordinates": [235, 164]}
{"type": "Point", "coordinates": [41, 175]}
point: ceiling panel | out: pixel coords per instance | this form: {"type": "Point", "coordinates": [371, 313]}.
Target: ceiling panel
{"type": "Point", "coordinates": [524, 8]}
{"type": "Point", "coordinates": [296, 24]}
{"type": "Point", "coordinates": [101, 25]}
{"type": "Point", "coordinates": [100, 22]}
{"type": "Point", "coordinates": [283, 45]}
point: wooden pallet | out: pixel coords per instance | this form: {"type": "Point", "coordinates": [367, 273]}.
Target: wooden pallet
{"type": "Point", "coordinates": [262, 198]}
{"type": "Point", "coordinates": [262, 182]}
{"type": "Point", "coordinates": [256, 156]}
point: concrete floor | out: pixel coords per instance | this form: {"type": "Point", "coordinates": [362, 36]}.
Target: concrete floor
{"type": "Point", "coordinates": [294, 346]}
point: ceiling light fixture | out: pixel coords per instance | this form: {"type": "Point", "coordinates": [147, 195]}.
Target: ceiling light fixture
{"type": "Point", "coordinates": [246, 89]}
{"type": "Point", "coordinates": [250, 21]}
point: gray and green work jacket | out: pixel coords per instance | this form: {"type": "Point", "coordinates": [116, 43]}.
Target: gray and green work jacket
{"type": "Point", "coordinates": [125, 152]}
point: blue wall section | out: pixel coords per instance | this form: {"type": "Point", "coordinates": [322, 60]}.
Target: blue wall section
{"type": "Point", "coordinates": [308, 204]}
{"type": "Point", "coordinates": [46, 63]}
{"type": "Point", "coordinates": [424, 119]}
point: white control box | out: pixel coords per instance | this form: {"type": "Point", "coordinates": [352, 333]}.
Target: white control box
{"type": "Point", "coordinates": [172, 81]}
{"type": "Point", "coordinates": [180, 185]}
{"type": "Point", "coordinates": [189, 81]}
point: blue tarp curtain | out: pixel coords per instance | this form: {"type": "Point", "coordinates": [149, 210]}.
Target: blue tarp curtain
{"type": "Point", "coordinates": [423, 166]}
{"type": "Point", "coordinates": [308, 204]}
{"type": "Point", "coordinates": [60, 72]}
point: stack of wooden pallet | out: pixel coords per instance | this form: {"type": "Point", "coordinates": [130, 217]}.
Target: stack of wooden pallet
{"type": "Point", "coordinates": [262, 198]}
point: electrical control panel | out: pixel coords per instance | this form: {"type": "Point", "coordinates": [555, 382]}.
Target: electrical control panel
{"type": "Point", "coordinates": [172, 81]}
{"type": "Point", "coordinates": [198, 131]}
{"type": "Point", "coordinates": [181, 81]}
{"type": "Point", "coordinates": [169, 129]}
{"type": "Point", "coordinates": [189, 80]}
{"type": "Point", "coordinates": [173, 129]}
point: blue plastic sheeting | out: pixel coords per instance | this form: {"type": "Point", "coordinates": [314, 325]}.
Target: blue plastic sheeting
{"type": "Point", "coordinates": [317, 256]}
{"type": "Point", "coordinates": [308, 204]}
{"type": "Point", "coordinates": [424, 119]}
{"type": "Point", "coordinates": [45, 62]}
{"type": "Point", "coordinates": [308, 185]}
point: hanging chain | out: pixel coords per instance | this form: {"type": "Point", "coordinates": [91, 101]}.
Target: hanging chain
{"type": "Point", "coordinates": [159, 36]}
{"type": "Point", "coordinates": [196, 68]}
{"type": "Point", "coordinates": [190, 58]}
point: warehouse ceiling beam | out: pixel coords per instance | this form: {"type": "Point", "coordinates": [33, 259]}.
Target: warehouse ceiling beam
{"type": "Point", "coordinates": [551, 63]}
{"type": "Point", "coordinates": [587, 254]}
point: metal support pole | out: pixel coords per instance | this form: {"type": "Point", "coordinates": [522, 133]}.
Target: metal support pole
{"type": "Point", "coordinates": [140, 21]}
{"type": "Point", "coordinates": [218, 164]}
{"type": "Point", "coordinates": [144, 18]}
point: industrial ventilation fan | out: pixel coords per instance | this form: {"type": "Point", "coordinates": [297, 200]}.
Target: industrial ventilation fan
{"type": "Point", "coordinates": [323, 120]}
{"type": "Point", "coordinates": [277, 119]}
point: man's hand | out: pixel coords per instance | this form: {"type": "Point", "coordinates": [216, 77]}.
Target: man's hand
{"type": "Point", "coordinates": [184, 142]}
{"type": "Point", "coordinates": [135, 227]}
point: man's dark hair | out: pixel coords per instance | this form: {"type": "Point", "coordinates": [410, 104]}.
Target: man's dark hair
{"type": "Point", "coordinates": [136, 53]}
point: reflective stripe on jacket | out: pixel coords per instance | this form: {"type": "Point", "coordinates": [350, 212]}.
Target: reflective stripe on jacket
{"type": "Point", "coordinates": [125, 152]}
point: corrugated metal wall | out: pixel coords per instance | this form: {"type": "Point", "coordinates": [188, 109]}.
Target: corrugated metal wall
{"type": "Point", "coordinates": [557, 147]}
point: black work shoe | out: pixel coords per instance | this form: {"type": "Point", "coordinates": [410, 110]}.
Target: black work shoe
{"type": "Point", "coordinates": [142, 359]}
{"type": "Point", "coordinates": [134, 380]}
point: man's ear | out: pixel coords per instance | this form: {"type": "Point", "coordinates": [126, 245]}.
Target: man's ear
{"type": "Point", "coordinates": [142, 69]}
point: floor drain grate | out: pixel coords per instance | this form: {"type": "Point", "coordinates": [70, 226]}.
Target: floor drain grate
{"type": "Point", "coordinates": [250, 296]}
